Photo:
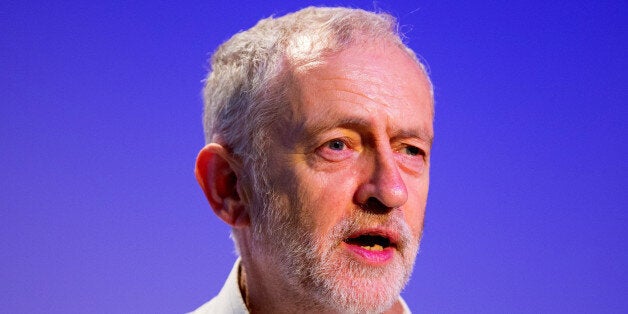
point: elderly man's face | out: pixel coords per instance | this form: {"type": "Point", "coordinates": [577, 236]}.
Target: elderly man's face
{"type": "Point", "coordinates": [351, 175]}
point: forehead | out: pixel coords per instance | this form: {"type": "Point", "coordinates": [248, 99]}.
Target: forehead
{"type": "Point", "coordinates": [379, 84]}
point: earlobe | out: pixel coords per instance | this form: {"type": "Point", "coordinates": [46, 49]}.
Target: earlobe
{"type": "Point", "coordinates": [216, 174]}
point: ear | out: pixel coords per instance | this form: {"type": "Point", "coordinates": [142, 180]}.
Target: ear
{"type": "Point", "coordinates": [216, 173]}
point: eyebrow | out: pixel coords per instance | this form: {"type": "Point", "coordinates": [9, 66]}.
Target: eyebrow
{"type": "Point", "coordinates": [420, 133]}
{"type": "Point", "coordinates": [361, 124]}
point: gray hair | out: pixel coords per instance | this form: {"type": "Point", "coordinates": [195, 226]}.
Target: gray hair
{"type": "Point", "coordinates": [247, 88]}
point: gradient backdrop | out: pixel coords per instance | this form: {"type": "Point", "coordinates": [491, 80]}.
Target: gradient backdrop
{"type": "Point", "coordinates": [100, 123]}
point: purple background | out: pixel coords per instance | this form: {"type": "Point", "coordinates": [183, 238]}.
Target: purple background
{"type": "Point", "coordinates": [100, 123]}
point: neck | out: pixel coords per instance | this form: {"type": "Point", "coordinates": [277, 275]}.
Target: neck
{"type": "Point", "coordinates": [263, 292]}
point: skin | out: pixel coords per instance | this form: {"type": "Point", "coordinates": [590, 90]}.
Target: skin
{"type": "Point", "coordinates": [353, 156]}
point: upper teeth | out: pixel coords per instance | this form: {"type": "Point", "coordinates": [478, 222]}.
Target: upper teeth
{"type": "Point", "coordinates": [375, 247]}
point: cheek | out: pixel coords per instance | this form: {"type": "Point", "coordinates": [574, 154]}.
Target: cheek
{"type": "Point", "coordinates": [415, 208]}
{"type": "Point", "coordinates": [325, 198]}
{"type": "Point", "coordinates": [414, 219]}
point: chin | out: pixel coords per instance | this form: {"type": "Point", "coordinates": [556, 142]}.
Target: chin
{"type": "Point", "coordinates": [353, 287]}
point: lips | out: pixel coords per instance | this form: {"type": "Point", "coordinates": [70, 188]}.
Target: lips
{"type": "Point", "coordinates": [374, 246]}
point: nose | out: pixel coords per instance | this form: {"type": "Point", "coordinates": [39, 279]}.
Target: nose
{"type": "Point", "coordinates": [383, 189]}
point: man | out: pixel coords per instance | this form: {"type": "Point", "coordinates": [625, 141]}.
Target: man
{"type": "Point", "coordinates": [319, 128]}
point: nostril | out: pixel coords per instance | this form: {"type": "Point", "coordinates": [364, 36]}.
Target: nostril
{"type": "Point", "coordinates": [375, 206]}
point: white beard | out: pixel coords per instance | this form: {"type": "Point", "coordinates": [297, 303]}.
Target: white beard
{"type": "Point", "coordinates": [323, 277]}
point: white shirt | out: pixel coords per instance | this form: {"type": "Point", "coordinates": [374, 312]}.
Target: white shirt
{"type": "Point", "coordinates": [229, 300]}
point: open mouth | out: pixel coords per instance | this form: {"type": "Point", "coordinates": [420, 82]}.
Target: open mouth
{"type": "Point", "coordinates": [371, 242]}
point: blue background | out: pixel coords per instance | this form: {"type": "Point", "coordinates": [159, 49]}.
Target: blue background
{"type": "Point", "coordinates": [100, 124]}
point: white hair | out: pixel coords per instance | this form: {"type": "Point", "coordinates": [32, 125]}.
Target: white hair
{"type": "Point", "coordinates": [247, 88]}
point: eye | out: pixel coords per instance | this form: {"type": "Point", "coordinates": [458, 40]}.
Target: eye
{"type": "Point", "coordinates": [413, 151]}
{"type": "Point", "coordinates": [336, 145]}
{"type": "Point", "coordinates": [335, 150]}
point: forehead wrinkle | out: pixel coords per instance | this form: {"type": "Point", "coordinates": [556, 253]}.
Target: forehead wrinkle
{"type": "Point", "coordinates": [376, 96]}
{"type": "Point", "coordinates": [370, 87]}
{"type": "Point", "coordinates": [353, 78]}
